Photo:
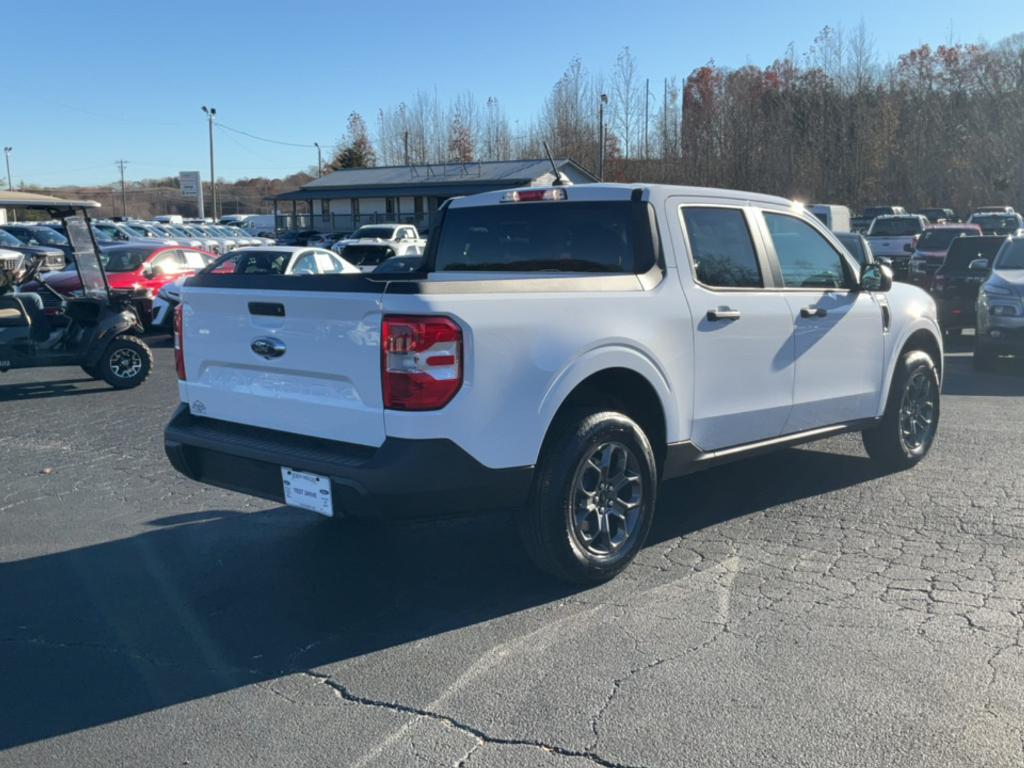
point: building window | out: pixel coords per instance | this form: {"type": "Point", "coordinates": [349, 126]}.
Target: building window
{"type": "Point", "coordinates": [389, 206]}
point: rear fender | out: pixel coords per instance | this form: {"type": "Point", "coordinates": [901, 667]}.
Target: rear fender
{"type": "Point", "coordinates": [604, 358]}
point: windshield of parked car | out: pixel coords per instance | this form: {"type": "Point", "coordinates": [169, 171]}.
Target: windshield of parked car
{"type": "Point", "coordinates": [896, 227]}
{"type": "Point", "coordinates": [966, 249]}
{"type": "Point", "coordinates": [6, 238]}
{"type": "Point", "coordinates": [124, 259]}
{"type": "Point", "coordinates": [997, 222]}
{"type": "Point", "coordinates": [939, 239]}
{"type": "Point", "coordinates": [384, 233]}
{"type": "Point", "coordinates": [551, 236]}
{"type": "Point", "coordinates": [1011, 256]}
{"type": "Point", "coordinates": [48, 236]}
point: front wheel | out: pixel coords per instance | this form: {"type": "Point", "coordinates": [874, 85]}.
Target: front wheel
{"type": "Point", "coordinates": [125, 363]}
{"type": "Point", "coordinates": [905, 434]}
{"type": "Point", "coordinates": [593, 501]}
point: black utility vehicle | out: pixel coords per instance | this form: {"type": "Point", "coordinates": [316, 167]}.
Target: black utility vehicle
{"type": "Point", "coordinates": [955, 287]}
{"type": "Point", "coordinates": [99, 335]}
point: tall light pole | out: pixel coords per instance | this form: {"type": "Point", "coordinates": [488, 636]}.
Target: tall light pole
{"type": "Point", "coordinates": [124, 196]}
{"type": "Point", "coordinates": [212, 113]}
{"type": "Point", "coordinates": [600, 136]}
{"type": "Point", "coordinates": [319, 160]}
{"type": "Point", "coordinates": [10, 186]}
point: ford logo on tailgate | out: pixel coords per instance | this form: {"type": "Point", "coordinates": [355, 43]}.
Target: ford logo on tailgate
{"type": "Point", "coordinates": [268, 347]}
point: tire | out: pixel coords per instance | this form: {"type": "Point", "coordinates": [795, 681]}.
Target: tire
{"type": "Point", "coordinates": [984, 359]}
{"type": "Point", "coordinates": [564, 532]}
{"type": "Point", "coordinates": [125, 363]}
{"type": "Point", "coordinates": [903, 437]}
{"type": "Point", "coordinates": [91, 371]}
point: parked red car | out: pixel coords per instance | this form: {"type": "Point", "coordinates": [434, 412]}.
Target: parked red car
{"type": "Point", "coordinates": [133, 265]}
{"type": "Point", "coordinates": [930, 249]}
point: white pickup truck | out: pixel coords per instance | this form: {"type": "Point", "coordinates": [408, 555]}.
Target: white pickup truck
{"type": "Point", "coordinates": [562, 351]}
{"type": "Point", "coordinates": [372, 244]}
{"type": "Point", "coordinates": [895, 238]}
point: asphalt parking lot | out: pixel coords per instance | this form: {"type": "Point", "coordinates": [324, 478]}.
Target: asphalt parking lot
{"type": "Point", "coordinates": [797, 609]}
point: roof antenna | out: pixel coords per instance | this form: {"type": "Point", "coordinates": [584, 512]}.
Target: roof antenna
{"type": "Point", "coordinates": [560, 179]}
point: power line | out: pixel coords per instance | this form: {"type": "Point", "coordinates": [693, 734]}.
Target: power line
{"type": "Point", "coordinates": [269, 141]}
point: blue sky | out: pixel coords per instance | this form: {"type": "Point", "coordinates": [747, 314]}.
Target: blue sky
{"type": "Point", "coordinates": [294, 71]}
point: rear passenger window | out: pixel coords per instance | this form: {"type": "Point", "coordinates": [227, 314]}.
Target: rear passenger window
{"type": "Point", "coordinates": [805, 257]}
{"type": "Point", "coordinates": [720, 246]}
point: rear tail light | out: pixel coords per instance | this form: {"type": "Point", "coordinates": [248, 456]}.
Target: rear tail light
{"type": "Point", "coordinates": [179, 344]}
{"type": "Point", "coordinates": [421, 362]}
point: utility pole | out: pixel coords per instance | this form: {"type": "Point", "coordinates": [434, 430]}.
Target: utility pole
{"type": "Point", "coordinates": [600, 136]}
{"type": "Point", "coordinates": [319, 160]}
{"type": "Point", "coordinates": [10, 186]}
{"type": "Point", "coordinates": [124, 196]}
{"type": "Point", "coordinates": [405, 141]}
{"type": "Point", "coordinates": [647, 103]}
{"type": "Point", "coordinates": [211, 113]}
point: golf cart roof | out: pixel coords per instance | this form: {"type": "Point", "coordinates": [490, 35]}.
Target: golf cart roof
{"type": "Point", "coordinates": [42, 202]}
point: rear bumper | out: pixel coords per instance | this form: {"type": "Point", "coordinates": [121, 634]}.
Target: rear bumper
{"type": "Point", "coordinates": [956, 313]}
{"type": "Point", "coordinates": [400, 479]}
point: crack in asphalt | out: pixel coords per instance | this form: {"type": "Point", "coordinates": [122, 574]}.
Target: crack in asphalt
{"type": "Point", "coordinates": [342, 692]}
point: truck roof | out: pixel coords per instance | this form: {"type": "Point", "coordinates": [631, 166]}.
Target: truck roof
{"type": "Point", "coordinates": [617, 191]}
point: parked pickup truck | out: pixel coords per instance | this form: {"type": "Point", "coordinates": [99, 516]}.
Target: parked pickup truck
{"type": "Point", "coordinates": [895, 238]}
{"type": "Point", "coordinates": [372, 244]}
{"type": "Point", "coordinates": [562, 350]}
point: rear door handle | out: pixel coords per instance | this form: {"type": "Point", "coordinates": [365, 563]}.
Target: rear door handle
{"type": "Point", "coordinates": [723, 313]}
{"type": "Point", "coordinates": [813, 312]}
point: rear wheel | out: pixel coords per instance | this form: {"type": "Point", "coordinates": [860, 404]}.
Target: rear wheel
{"type": "Point", "coordinates": [593, 502]}
{"type": "Point", "coordinates": [905, 434]}
{"type": "Point", "coordinates": [125, 363]}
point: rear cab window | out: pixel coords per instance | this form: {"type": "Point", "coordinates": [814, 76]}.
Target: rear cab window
{"type": "Point", "coordinates": [543, 236]}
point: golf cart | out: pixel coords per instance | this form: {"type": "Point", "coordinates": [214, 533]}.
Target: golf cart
{"type": "Point", "coordinates": [100, 333]}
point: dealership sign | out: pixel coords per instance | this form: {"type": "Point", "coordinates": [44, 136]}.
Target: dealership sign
{"type": "Point", "coordinates": [189, 182]}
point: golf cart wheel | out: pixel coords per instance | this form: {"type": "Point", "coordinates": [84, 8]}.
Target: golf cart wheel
{"type": "Point", "coordinates": [92, 371]}
{"type": "Point", "coordinates": [126, 362]}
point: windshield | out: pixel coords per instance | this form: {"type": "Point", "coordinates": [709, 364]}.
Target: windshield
{"type": "Point", "coordinates": [939, 239]}
{"type": "Point", "coordinates": [1011, 256]}
{"type": "Point", "coordinates": [557, 237]}
{"type": "Point", "coordinates": [384, 233]}
{"type": "Point", "coordinates": [965, 250]}
{"type": "Point", "coordinates": [251, 261]}
{"type": "Point", "coordinates": [997, 223]}
{"type": "Point", "coordinates": [90, 273]}
{"type": "Point", "coordinates": [125, 259]}
{"type": "Point", "coordinates": [48, 236]}
{"type": "Point", "coordinates": [895, 227]}
{"type": "Point", "coordinates": [6, 238]}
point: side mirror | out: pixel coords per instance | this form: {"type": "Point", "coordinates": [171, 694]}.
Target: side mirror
{"type": "Point", "coordinates": [978, 265]}
{"type": "Point", "coordinates": [876, 277]}
{"type": "Point", "coordinates": [148, 270]}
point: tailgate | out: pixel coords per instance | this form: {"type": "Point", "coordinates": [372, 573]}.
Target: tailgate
{"type": "Point", "coordinates": [302, 361]}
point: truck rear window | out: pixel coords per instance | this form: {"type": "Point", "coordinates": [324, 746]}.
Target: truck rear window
{"type": "Point", "coordinates": [895, 227]}
{"type": "Point", "coordinates": [965, 250]}
{"type": "Point", "coordinates": [564, 236]}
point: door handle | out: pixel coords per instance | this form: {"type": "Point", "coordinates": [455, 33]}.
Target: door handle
{"type": "Point", "coordinates": [723, 313]}
{"type": "Point", "coordinates": [813, 312]}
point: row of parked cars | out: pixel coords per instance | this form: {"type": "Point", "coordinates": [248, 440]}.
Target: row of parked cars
{"type": "Point", "coordinates": [155, 258]}
{"type": "Point", "coordinates": [974, 269]}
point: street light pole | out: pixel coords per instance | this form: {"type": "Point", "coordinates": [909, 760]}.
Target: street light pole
{"type": "Point", "coordinates": [10, 186]}
{"type": "Point", "coordinates": [212, 113]}
{"type": "Point", "coordinates": [319, 160]}
{"type": "Point", "coordinates": [124, 197]}
{"type": "Point", "coordinates": [600, 139]}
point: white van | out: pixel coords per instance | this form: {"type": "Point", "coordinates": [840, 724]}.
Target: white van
{"type": "Point", "coordinates": [835, 217]}
{"type": "Point", "coordinates": [170, 219]}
